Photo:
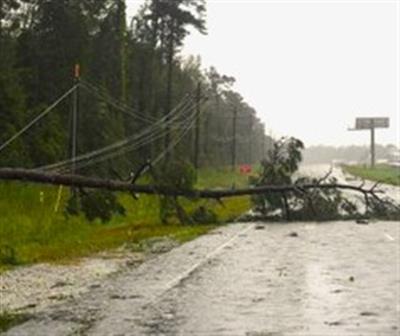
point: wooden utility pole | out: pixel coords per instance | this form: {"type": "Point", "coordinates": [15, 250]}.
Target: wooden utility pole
{"type": "Point", "coordinates": [263, 145]}
{"type": "Point", "coordinates": [74, 128]}
{"type": "Point", "coordinates": [197, 129]}
{"type": "Point", "coordinates": [75, 113]}
{"type": "Point", "coordinates": [234, 121]}
{"type": "Point", "coordinates": [251, 140]}
{"type": "Point", "coordinates": [168, 103]}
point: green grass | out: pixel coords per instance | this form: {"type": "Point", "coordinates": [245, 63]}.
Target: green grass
{"type": "Point", "coordinates": [34, 228]}
{"type": "Point", "coordinates": [9, 320]}
{"type": "Point", "coordinates": [221, 178]}
{"type": "Point", "coordinates": [381, 173]}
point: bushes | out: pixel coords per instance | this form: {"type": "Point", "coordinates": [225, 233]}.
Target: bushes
{"type": "Point", "coordinates": [277, 168]}
{"type": "Point", "coordinates": [8, 255]}
{"type": "Point", "coordinates": [319, 204]}
{"type": "Point", "coordinates": [102, 204]}
{"type": "Point", "coordinates": [179, 175]}
{"type": "Point", "coordinates": [202, 215]}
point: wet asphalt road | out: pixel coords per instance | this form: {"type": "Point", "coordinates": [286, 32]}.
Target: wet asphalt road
{"type": "Point", "coordinates": [332, 279]}
{"type": "Point", "coordinates": [337, 278]}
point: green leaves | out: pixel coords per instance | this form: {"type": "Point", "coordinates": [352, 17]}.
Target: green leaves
{"type": "Point", "coordinates": [281, 163]}
{"type": "Point", "coordinates": [178, 175]}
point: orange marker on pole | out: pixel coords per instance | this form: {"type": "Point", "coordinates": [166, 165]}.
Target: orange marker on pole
{"type": "Point", "coordinates": [77, 71]}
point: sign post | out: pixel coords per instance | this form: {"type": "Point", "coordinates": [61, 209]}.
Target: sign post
{"type": "Point", "coordinates": [371, 124]}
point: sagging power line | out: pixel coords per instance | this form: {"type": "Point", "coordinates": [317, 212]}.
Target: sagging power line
{"type": "Point", "coordinates": [38, 118]}
{"type": "Point", "coordinates": [154, 132]}
{"type": "Point", "coordinates": [187, 109]}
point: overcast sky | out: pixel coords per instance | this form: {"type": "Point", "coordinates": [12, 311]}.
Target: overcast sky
{"type": "Point", "coordinates": [309, 68]}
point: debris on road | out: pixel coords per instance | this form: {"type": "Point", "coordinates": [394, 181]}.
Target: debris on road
{"type": "Point", "coordinates": [335, 323]}
{"type": "Point", "coordinates": [293, 234]}
{"type": "Point", "coordinates": [367, 313]}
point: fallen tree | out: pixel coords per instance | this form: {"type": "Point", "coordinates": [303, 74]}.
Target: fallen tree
{"type": "Point", "coordinates": [275, 191]}
{"type": "Point", "coordinates": [80, 181]}
{"type": "Point", "coordinates": [316, 195]}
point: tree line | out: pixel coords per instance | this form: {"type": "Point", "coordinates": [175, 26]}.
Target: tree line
{"type": "Point", "coordinates": [346, 154]}
{"type": "Point", "coordinates": [133, 65]}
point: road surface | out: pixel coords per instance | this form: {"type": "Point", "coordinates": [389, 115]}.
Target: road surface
{"type": "Point", "coordinates": [336, 278]}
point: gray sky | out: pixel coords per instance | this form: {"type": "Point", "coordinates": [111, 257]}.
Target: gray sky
{"type": "Point", "coordinates": [309, 68]}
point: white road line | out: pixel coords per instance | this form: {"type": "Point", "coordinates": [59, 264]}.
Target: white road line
{"type": "Point", "coordinates": [184, 275]}
{"type": "Point", "coordinates": [389, 237]}
{"type": "Point", "coordinates": [187, 273]}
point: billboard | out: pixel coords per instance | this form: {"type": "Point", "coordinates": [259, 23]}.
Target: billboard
{"type": "Point", "coordinates": [368, 123]}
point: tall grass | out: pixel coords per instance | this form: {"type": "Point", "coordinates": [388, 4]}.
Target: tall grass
{"type": "Point", "coordinates": [381, 173]}
{"type": "Point", "coordinates": [221, 178]}
{"type": "Point", "coordinates": [34, 226]}
{"type": "Point", "coordinates": [29, 220]}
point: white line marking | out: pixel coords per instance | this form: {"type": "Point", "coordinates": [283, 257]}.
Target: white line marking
{"type": "Point", "coordinates": [187, 273]}
{"type": "Point", "coordinates": [389, 237]}
{"type": "Point", "coordinates": [184, 275]}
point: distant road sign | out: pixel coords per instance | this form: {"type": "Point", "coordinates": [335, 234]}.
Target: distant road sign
{"type": "Point", "coordinates": [368, 123]}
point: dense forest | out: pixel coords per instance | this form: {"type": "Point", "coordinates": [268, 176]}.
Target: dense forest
{"type": "Point", "coordinates": [136, 98]}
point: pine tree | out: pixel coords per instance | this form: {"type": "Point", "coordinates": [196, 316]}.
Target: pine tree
{"type": "Point", "coordinates": [12, 97]}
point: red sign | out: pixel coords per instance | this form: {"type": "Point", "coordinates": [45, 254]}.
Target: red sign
{"type": "Point", "coordinates": [245, 169]}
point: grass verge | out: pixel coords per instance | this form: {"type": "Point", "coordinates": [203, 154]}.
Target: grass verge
{"type": "Point", "coordinates": [34, 227]}
{"type": "Point", "coordinates": [382, 173]}
{"type": "Point", "coordinates": [9, 320]}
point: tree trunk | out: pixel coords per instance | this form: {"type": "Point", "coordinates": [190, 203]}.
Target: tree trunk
{"type": "Point", "coordinates": [80, 181]}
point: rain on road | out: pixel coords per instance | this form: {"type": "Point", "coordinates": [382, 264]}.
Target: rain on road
{"type": "Point", "coordinates": [336, 278]}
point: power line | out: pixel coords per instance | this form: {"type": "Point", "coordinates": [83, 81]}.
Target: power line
{"type": "Point", "coordinates": [116, 104]}
{"type": "Point", "coordinates": [131, 147]}
{"type": "Point", "coordinates": [104, 91]}
{"type": "Point", "coordinates": [155, 131]}
{"type": "Point", "coordinates": [131, 141]}
{"type": "Point", "coordinates": [173, 144]}
{"type": "Point", "coordinates": [38, 118]}
{"type": "Point", "coordinates": [108, 156]}
{"type": "Point", "coordinates": [148, 132]}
